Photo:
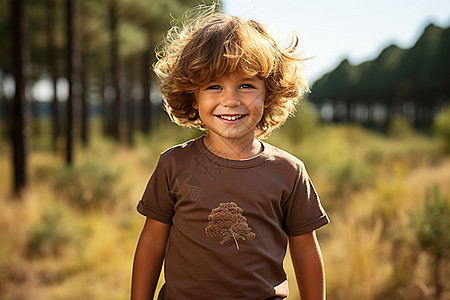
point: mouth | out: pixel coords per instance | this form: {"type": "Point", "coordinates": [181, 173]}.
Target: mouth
{"type": "Point", "coordinates": [230, 117]}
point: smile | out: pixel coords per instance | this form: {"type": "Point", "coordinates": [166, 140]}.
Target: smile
{"type": "Point", "coordinates": [231, 118]}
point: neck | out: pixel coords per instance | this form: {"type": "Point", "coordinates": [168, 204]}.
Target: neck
{"type": "Point", "coordinates": [235, 149]}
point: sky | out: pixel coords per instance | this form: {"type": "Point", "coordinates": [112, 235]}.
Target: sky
{"type": "Point", "coordinates": [332, 30]}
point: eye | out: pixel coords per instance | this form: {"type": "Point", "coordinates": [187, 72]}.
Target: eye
{"type": "Point", "coordinates": [213, 87]}
{"type": "Point", "coordinates": [246, 86]}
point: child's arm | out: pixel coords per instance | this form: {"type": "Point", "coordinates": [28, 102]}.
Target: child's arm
{"type": "Point", "coordinates": [308, 265]}
{"type": "Point", "coordinates": [148, 259]}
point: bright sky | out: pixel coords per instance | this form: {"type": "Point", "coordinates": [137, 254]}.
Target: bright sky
{"type": "Point", "coordinates": [331, 30]}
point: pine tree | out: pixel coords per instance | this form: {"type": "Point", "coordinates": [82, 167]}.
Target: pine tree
{"type": "Point", "coordinates": [228, 222]}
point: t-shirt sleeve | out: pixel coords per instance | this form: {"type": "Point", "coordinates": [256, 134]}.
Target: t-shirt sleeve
{"type": "Point", "coordinates": [157, 202]}
{"type": "Point", "coordinates": [303, 211]}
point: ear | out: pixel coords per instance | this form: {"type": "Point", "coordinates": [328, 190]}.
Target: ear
{"type": "Point", "coordinates": [194, 104]}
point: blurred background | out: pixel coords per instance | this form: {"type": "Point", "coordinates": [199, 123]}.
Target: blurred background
{"type": "Point", "coordinates": [82, 126]}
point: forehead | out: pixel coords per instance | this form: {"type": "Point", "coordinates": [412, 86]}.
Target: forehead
{"type": "Point", "coordinates": [238, 77]}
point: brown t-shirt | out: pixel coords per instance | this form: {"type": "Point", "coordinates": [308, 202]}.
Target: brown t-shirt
{"type": "Point", "coordinates": [230, 220]}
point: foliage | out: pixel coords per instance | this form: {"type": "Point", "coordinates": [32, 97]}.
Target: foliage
{"type": "Point", "coordinates": [337, 153]}
{"type": "Point", "coordinates": [431, 228]}
{"type": "Point", "coordinates": [337, 82]}
{"type": "Point", "coordinates": [390, 195]}
{"type": "Point", "coordinates": [421, 70]}
{"type": "Point", "coordinates": [303, 124]}
{"type": "Point", "coordinates": [400, 127]}
{"type": "Point", "coordinates": [441, 127]}
{"type": "Point", "coordinates": [139, 20]}
{"type": "Point", "coordinates": [351, 176]}
{"type": "Point", "coordinates": [89, 185]}
{"type": "Point", "coordinates": [431, 223]}
{"type": "Point", "coordinates": [51, 234]}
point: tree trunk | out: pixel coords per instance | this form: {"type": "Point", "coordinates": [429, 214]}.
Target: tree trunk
{"type": "Point", "coordinates": [115, 68]}
{"type": "Point", "coordinates": [3, 109]}
{"type": "Point", "coordinates": [19, 130]}
{"type": "Point", "coordinates": [52, 61]}
{"type": "Point", "coordinates": [104, 105]}
{"type": "Point", "coordinates": [130, 101]}
{"type": "Point", "coordinates": [84, 73]}
{"type": "Point", "coordinates": [71, 77]}
{"type": "Point", "coordinates": [146, 111]}
{"type": "Point", "coordinates": [84, 98]}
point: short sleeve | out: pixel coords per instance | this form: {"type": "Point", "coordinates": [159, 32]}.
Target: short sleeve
{"type": "Point", "coordinates": [303, 211]}
{"type": "Point", "coordinates": [157, 202]}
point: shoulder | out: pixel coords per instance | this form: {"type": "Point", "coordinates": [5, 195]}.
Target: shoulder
{"type": "Point", "coordinates": [283, 158]}
{"type": "Point", "coordinates": [176, 157]}
{"type": "Point", "coordinates": [179, 151]}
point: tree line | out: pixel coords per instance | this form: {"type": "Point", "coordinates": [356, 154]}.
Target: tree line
{"type": "Point", "coordinates": [414, 82]}
{"type": "Point", "coordinates": [111, 42]}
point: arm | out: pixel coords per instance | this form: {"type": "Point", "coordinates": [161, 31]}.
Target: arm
{"type": "Point", "coordinates": [308, 265]}
{"type": "Point", "coordinates": [148, 259]}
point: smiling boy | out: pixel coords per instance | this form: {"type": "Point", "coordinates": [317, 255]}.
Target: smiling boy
{"type": "Point", "coordinates": [222, 208]}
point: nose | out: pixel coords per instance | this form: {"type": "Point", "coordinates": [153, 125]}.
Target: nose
{"type": "Point", "coordinates": [230, 99]}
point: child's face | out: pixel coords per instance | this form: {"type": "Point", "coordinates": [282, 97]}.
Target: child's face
{"type": "Point", "coordinates": [231, 106]}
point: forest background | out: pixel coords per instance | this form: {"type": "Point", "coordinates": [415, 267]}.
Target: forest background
{"type": "Point", "coordinates": [74, 165]}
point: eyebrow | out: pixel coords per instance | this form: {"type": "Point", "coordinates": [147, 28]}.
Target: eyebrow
{"type": "Point", "coordinates": [253, 78]}
{"type": "Point", "coordinates": [250, 78]}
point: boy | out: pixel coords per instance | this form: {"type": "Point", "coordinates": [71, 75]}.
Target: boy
{"type": "Point", "coordinates": [221, 208]}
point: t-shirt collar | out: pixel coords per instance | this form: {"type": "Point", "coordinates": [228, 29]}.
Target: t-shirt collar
{"type": "Point", "coordinates": [205, 153]}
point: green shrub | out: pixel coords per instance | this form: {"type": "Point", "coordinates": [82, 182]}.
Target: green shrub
{"type": "Point", "coordinates": [45, 172]}
{"type": "Point", "coordinates": [441, 126]}
{"type": "Point", "coordinates": [352, 175]}
{"type": "Point", "coordinates": [431, 228]}
{"type": "Point", "coordinates": [431, 223]}
{"type": "Point", "coordinates": [90, 185]}
{"type": "Point", "coordinates": [303, 124]}
{"type": "Point", "coordinates": [400, 127]}
{"type": "Point", "coordinates": [50, 235]}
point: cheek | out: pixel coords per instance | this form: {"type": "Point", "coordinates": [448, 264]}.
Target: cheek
{"type": "Point", "coordinates": [257, 110]}
{"type": "Point", "coordinates": [260, 109]}
{"type": "Point", "coordinates": [259, 104]}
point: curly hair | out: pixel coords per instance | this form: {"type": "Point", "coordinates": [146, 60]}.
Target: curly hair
{"type": "Point", "coordinates": [213, 45]}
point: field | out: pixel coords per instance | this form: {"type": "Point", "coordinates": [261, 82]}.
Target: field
{"type": "Point", "coordinates": [73, 233]}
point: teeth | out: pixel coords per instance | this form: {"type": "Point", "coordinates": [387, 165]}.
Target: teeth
{"type": "Point", "coordinates": [231, 118]}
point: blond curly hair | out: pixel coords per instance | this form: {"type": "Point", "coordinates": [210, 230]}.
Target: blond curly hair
{"type": "Point", "coordinates": [213, 45]}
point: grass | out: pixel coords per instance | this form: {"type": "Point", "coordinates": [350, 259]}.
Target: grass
{"type": "Point", "coordinates": [368, 182]}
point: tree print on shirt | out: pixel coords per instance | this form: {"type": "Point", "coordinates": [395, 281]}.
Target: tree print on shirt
{"type": "Point", "coordinates": [227, 221]}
